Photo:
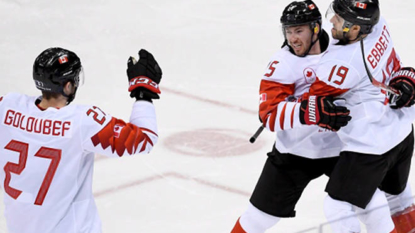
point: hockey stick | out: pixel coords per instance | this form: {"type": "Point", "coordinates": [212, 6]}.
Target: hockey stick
{"type": "Point", "coordinates": [376, 83]}
{"type": "Point", "coordinates": [257, 133]}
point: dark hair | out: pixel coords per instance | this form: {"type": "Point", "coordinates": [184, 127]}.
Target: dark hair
{"type": "Point", "coordinates": [54, 95]}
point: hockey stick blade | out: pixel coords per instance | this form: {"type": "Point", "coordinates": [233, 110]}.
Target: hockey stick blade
{"type": "Point", "coordinates": [257, 133]}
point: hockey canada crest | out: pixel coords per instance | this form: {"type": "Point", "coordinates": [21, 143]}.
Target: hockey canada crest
{"type": "Point", "coordinates": [309, 75]}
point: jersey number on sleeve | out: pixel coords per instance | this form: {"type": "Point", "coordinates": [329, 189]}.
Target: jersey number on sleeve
{"type": "Point", "coordinates": [392, 65]}
{"type": "Point", "coordinates": [271, 68]}
{"type": "Point", "coordinates": [44, 152]}
{"type": "Point", "coordinates": [341, 73]}
{"type": "Point", "coordinates": [99, 116]}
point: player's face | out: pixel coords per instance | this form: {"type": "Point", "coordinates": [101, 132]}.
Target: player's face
{"type": "Point", "coordinates": [337, 30]}
{"type": "Point", "coordinates": [299, 38]}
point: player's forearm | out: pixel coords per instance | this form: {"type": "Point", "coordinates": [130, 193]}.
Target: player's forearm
{"type": "Point", "coordinates": [143, 115]}
{"type": "Point", "coordinates": [284, 116]}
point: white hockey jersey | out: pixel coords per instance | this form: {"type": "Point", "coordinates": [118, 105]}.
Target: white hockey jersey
{"type": "Point", "coordinates": [47, 157]}
{"type": "Point", "coordinates": [375, 128]}
{"type": "Point", "coordinates": [287, 78]}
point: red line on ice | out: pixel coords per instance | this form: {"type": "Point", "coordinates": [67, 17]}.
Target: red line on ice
{"type": "Point", "coordinates": [174, 175]}
{"type": "Point", "coordinates": [214, 102]}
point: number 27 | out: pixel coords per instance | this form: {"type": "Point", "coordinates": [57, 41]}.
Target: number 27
{"type": "Point", "coordinates": [44, 152]}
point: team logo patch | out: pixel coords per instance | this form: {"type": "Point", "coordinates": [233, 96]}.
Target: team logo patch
{"type": "Point", "coordinates": [262, 98]}
{"type": "Point", "coordinates": [361, 5]}
{"type": "Point", "coordinates": [309, 75]}
{"type": "Point", "coordinates": [63, 59]}
{"type": "Point", "coordinates": [117, 130]}
{"type": "Point", "coordinates": [312, 6]}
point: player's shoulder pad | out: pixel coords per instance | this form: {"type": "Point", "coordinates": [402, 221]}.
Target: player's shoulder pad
{"type": "Point", "coordinates": [14, 97]}
{"type": "Point", "coordinates": [281, 55]}
{"type": "Point", "coordinates": [340, 73]}
{"type": "Point", "coordinates": [279, 68]}
{"type": "Point", "coordinates": [340, 52]}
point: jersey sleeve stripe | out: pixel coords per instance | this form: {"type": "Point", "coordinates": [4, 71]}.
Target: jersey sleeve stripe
{"type": "Point", "coordinates": [292, 117]}
{"type": "Point", "coordinates": [147, 130]}
{"type": "Point", "coordinates": [284, 119]}
{"type": "Point", "coordinates": [321, 88]}
{"type": "Point", "coordinates": [122, 137]}
{"type": "Point", "coordinates": [288, 118]}
{"type": "Point", "coordinates": [271, 119]}
{"type": "Point", "coordinates": [282, 116]}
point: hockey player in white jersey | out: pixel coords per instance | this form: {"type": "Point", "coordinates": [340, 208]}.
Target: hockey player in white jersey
{"type": "Point", "coordinates": [378, 141]}
{"type": "Point", "coordinates": [301, 153]}
{"type": "Point", "coordinates": [47, 145]}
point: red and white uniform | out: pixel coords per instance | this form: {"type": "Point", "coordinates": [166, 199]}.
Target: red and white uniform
{"type": "Point", "coordinates": [375, 128]}
{"type": "Point", "coordinates": [47, 159]}
{"type": "Point", "coordinates": [286, 79]}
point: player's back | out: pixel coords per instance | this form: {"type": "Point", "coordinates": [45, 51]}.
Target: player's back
{"type": "Point", "coordinates": [47, 173]}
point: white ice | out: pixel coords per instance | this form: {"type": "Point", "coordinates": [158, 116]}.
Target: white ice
{"type": "Point", "coordinates": [213, 55]}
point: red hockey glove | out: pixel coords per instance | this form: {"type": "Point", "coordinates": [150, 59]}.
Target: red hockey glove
{"type": "Point", "coordinates": [404, 82]}
{"type": "Point", "coordinates": [144, 76]}
{"type": "Point", "coordinates": [321, 111]}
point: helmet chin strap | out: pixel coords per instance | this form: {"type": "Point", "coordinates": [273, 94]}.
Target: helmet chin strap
{"type": "Point", "coordinates": [312, 42]}
{"type": "Point", "coordinates": [346, 40]}
{"type": "Point", "coordinates": [346, 29]}
{"type": "Point", "coordinates": [71, 97]}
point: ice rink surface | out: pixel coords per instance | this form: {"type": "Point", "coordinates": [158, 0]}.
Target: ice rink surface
{"type": "Point", "coordinates": [213, 54]}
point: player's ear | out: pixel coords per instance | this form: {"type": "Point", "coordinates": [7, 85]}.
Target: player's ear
{"type": "Point", "coordinates": [355, 29]}
{"type": "Point", "coordinates": [68, 88]}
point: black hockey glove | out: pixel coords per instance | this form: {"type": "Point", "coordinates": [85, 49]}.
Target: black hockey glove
{"type": "Point", "coordinates": [144, 77]}
{"type": "Point", "coordinates": [321, 111]}
{"type": "Point", "coordinates": [404, 82]}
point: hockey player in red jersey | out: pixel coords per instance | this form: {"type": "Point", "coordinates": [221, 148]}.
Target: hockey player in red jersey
{"type": "Point", "coordinates": [370, 157]}
{"type": "Point", "coordinates": [301, 153]}
{"type": "Point", "coordinates": [47, 145]}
